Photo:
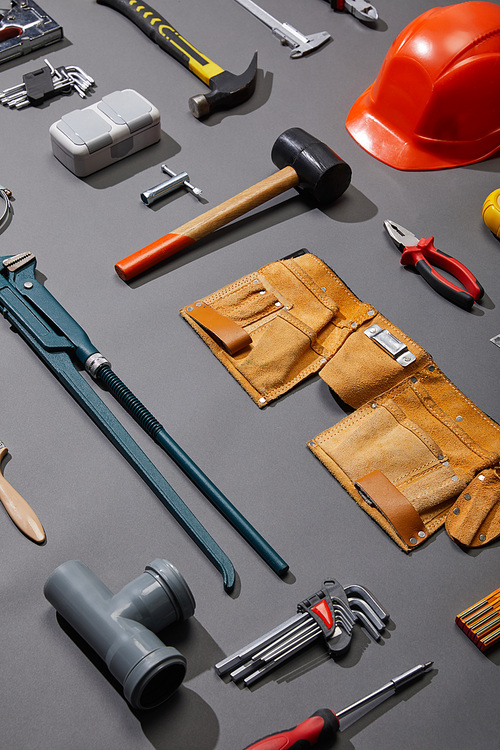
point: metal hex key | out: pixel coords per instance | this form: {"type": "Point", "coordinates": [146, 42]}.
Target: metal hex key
{"type": "Point", "coordinates": [331, 616]}
{"type": "Point", "coordinates": [39, 84]}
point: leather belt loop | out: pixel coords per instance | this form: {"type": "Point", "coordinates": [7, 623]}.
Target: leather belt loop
{"type": "Point", "coordinates": [232, 337]}
{"type": "Point", "coordinates": [379, 491]}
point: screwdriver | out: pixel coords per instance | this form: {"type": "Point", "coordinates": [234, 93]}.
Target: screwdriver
{"type": "Point", "coordinates": [322, 726]}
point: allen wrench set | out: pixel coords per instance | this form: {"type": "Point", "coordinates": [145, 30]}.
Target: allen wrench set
{"type": "Point", "coordinates": [39, 84]}
{"type": "Point", "coordinates": [330, 613]}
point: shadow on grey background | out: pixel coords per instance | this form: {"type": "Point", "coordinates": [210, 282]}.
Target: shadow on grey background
{"type": "Point", "coordinates": [353, 206]}
{"type": "Point", "coordinates": [185, 722]}
{"type": "Point", "coordinates": [171, 724]}
{"type": "Point", "coordinates": [165, 149]}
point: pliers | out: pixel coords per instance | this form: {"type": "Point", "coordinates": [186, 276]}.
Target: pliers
{"type": "Point", "coordinates": [360, 9]}
{"type": "Point", "coordinates": [422, 254]}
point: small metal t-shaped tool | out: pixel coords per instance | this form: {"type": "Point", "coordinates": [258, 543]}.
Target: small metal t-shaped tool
{"type": "Point", "coordinates": [176, 181]}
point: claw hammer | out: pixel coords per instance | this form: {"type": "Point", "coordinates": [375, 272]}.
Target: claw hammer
{"type": "Point", "coordinates": [227, 90]}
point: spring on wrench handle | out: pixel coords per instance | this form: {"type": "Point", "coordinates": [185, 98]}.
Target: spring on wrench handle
{"type": "Point", "coordinates": [131, 403]}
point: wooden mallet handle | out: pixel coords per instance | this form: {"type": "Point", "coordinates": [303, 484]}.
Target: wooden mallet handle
{"type": "Point", "coordinates": [303, 161]}
{"type": "Point", "coordinates": [208, 222]}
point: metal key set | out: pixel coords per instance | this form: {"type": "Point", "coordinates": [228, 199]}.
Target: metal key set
{"type": "Point", "coordinates": [45, 82]}
{"type": "Point", "coordinates": [331, 614]}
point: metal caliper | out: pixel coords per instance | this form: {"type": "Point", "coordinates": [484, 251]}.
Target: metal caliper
{"type": "Point", "coordinates": [301, 44]}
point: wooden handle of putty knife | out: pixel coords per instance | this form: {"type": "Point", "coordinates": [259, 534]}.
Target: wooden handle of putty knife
{"type": "Point", "coordinates": [18, 509]}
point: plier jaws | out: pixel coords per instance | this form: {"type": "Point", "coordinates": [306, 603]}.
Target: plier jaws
{"type": "Point", "coordinates": [360, 9]}
{"type": "Point", "coordinates": [423, 256]}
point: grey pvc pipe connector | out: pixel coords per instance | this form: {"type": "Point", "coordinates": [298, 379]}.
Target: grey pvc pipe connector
{"type": "Point", "coordinates": [121, 627]}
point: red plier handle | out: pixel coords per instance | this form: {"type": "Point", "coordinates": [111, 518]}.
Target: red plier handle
{"type": "Point", "coordinates": [424, 256]}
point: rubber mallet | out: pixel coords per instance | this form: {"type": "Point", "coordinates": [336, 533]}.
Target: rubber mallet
{"type": "Point", "coordinates": [304, 163]}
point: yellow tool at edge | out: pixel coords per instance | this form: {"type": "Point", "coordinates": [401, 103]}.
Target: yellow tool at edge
{"type": "Point", "coordinates": [491, 212]}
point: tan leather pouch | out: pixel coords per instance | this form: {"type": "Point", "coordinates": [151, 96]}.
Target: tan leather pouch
{"type": "Point", "coordinates": [293, 318]}
{"type": "Point", "coordinates": [474, 519]}
{"type": "Point", "coordinates": [288, 320]}
{"type": "Point", "coordinates": [407, 455]}
{"type": "Point", "coordinates": [377, 356]}
{"type": "Point", "coordinates": [415, 447]}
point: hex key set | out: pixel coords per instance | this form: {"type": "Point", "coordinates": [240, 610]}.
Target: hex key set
{"type": "Point", "coordinates": [331, 614]}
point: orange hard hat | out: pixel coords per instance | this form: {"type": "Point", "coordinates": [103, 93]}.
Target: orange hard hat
{"type": "Point", "coordinates": [435, 102]}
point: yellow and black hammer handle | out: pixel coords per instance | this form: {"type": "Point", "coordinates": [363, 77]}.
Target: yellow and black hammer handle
{"type": "Point", "coordinates": [160, 31]}
{"type": "Point", "coordinates": [228, 89]}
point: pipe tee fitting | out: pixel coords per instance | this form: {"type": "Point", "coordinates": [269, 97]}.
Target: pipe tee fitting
{"type": "Point", "coordinates": [122, 628]}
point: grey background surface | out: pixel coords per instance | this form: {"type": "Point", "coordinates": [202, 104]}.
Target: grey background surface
{"type": "Point", "coordinates": [92, 504]}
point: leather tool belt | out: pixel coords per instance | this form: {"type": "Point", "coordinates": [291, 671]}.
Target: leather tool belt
{"type": "Point", "coordinates": [416, 453]}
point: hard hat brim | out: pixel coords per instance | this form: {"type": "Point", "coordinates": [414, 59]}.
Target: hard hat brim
{"type": "Point", "coordinates": [394, 148]}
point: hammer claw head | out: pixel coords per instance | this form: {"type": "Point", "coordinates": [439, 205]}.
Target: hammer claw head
{"type": "Point", "coordinates": [227, 90]}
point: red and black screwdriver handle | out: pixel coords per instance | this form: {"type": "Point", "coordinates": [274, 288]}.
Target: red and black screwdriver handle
{"type": "Point", "coordinates": [424, 255]}
{"type": "Point", "coordinates": [320, 728]}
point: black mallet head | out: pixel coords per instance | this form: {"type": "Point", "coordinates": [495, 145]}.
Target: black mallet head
{"type": "Point", "coordinates": [322, 173]}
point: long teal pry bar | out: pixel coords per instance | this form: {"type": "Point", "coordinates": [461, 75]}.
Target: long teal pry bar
{"type": "Point", "coordinates": [17, 275]}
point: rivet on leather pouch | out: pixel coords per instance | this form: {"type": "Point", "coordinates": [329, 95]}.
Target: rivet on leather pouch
{"type": "Point", "coordinates": [378, 491]}
{"type": "Point", "coordinates": [474, 518]}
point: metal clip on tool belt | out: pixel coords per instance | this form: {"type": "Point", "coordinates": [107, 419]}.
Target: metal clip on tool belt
{"type": "Point", "coordinates": [416, 453]}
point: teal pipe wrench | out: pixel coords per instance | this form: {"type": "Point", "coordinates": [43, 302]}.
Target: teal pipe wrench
{"type": "Point", "coordinates": [62, 344]}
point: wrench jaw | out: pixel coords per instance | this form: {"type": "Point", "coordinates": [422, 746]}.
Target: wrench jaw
{"type": "Point", "coordinates": [14, 263]}
{"type": "Point", "coordinates": [227, 90]}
